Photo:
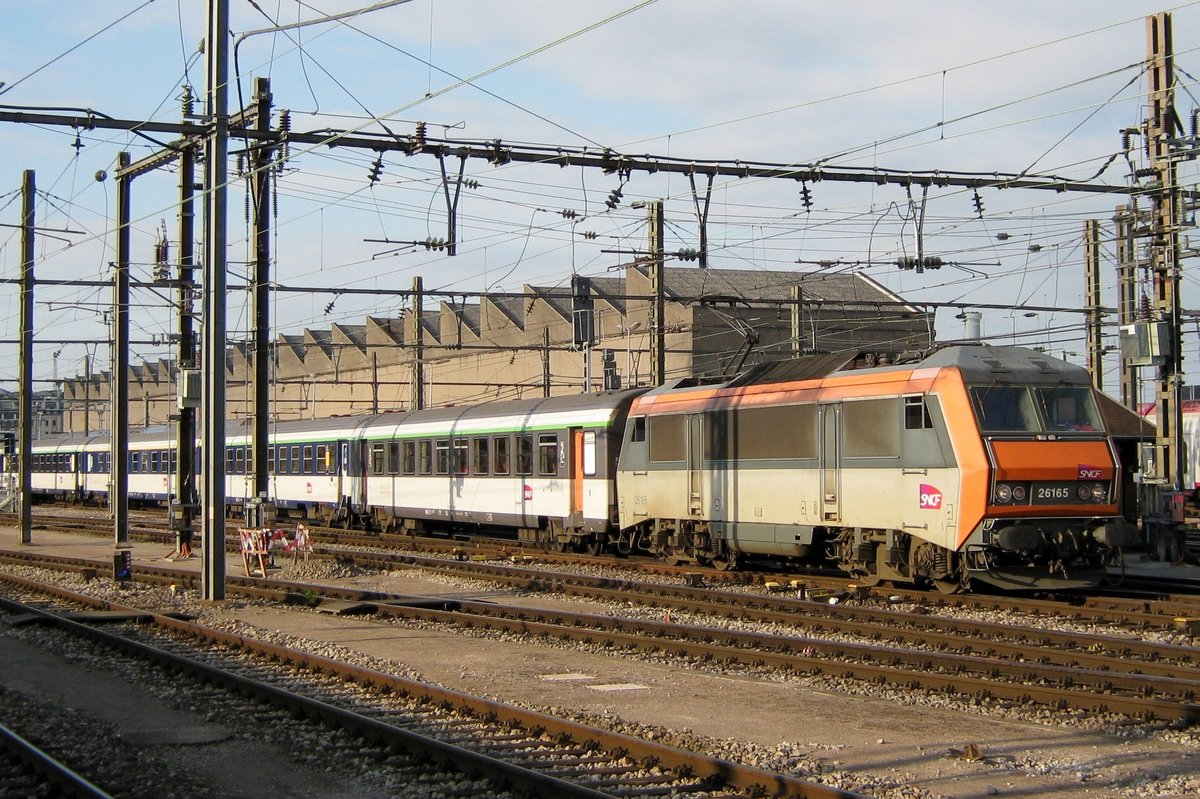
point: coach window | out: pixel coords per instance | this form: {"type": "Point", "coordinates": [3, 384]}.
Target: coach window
{"type": "Point", "coordinates": [442, 450]}
{"type": "Point", "coordinates": [461, 464]}
{"type": "Point", "coordinates": [174, 462]}
{"type": "Point", "coordinates": [308, 459]}
{"type": "Point", "coordinates": [524, 453]}
{"type": "Point", "coordinates": [239, 460]}
{"type": "Point", "coordinates": [916, 414]}
{"type": "Point", "coordinates": [479, 448]}
{"type": "Point", "coordinates": [154, 461]}
{"type": "Point", "coordinates": [548, 453]}
{"type": "Point", "coordinates": [377, 458]}
{"type": "Point", "coordinates": [500, 463]}
{"type": "Point", "coordinates": [135, 467]}
{"type": "Point", "coordinates": [270, 461]}
{"type": "Point", "coordinates": [393, 463]}
{"type": "Point", "coordinates": [589, 453]}
{"type": "Point", "coordinates": [425, 456]}
{"type": "Point", "coordinates": [296, 460]}
{"type": "Point", "coordinates": [408, 450]}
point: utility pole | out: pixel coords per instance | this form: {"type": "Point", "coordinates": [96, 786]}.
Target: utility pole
{"type": "Point", "coordinates": [186, 496]}
{"type": "Point", "coordinates": [1095, 349]}
{"type": "Point", "coordinates": [1161, 128]}
{"type": "Point", "coordinates": [264, 155]}
{"type": "Point", "coordinates": [1127, 298]}
{"type": "Point", "coordinates": [216, 179]}
{"type": "Point", "coordinates": [416, 337]}
{"type": "Point", "coordinates": [658, 337]}
{"type": "Point", "coordinates": [118, 389]}
{"type": "Point", "coordinates": [25, 406]}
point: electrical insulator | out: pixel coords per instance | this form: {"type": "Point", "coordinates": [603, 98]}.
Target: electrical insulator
{"type": "Point", "coordinates": [806, 196]}
{"type": "Point", "coordinates": [1144, 309]}
{"type": "Point", "coordinates": [977, 201]}
{"type": "Point", "coordinates": [188, 101]}
{"type": "Point", "coordinates": [376, 170]}
{"type": "Point", "coordinates": [434, 244]}
{"type": "Point", "coordinates": [1002, 237]}
{"type": "Point", "coordinates": [471, 183]}
{"type": "Point", "coordinates": [589, 235]}
{"type": "Point", "coordinates": [687, 254]}
{"type": "Point", "coordinates": [419, 138]}
{"type": "Point", "coordinates": [285, 127]}
{"type": "Point", "coordinates": [329, 306]}
{"type": "Point", "coordinates": [614, 199]}
{"type": "Point", "coordinates": [1035, 248]}
{"type": "Point", "coordinates": [567, 213]}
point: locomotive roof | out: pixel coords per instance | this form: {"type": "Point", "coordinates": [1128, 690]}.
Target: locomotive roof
{"type": "Point", "coordinates": [978, 363]}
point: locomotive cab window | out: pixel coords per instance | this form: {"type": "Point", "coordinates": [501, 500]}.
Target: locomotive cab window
{"type": "Point", "coordinates": [638, 429]}
{"type": "Point", "coordinates": [1069, 409]}
{"type": "Point", "coordinates": [1004, 409]}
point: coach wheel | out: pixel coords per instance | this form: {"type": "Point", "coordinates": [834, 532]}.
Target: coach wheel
{"type": "Point", "coordinates": [726, 562]}
{"type": "Point", "coordinates": [595, 546]}
{"type": "Point", "coordinates": [561, 546]}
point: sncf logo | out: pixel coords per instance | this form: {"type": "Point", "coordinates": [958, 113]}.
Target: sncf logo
{"type": "Point", "coordinates": [931, 498]}
{"type": "Point", "coordinates": [1089, 472]}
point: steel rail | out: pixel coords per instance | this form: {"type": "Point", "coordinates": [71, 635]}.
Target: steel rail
{"type": "Point", "coordinates": [758, 782]}
{"type": "Point", "coordinates": [65, 780]}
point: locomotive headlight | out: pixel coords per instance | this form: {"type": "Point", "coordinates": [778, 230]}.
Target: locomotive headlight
{"type": "Point", "coordinates": [1099, 492]}
{"type": "Point", "coordinates": [1083, 491]}
{"type": "Point", "coordinates": [1018, 493]}
{"type": "Point", "coordinates": [1004, 493]}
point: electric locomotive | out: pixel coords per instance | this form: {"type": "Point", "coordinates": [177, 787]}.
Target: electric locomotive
{"type": "Point", "coordinates": [968, 463]}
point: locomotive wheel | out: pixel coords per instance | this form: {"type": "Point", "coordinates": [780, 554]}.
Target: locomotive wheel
{"type": "Point", "coordinates": [949, 586]}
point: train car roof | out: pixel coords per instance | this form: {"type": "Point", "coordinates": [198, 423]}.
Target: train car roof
{"type": "Point", "coordinates": [602, 401]}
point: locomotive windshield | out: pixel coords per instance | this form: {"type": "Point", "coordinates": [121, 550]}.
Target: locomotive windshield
{"type": "Point", "coordinates": [1036, 409]}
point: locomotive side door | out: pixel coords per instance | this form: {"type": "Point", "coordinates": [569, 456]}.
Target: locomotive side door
{"type": "Point", "coordinates": [695, 464]}
{"type": "Point", "coordinates": [829, 422]}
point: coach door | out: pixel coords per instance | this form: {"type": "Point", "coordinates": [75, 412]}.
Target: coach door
{"type": "Point", "coordinates": [695, 464]}
{"type": "Point", "coordinates": [576, 460]}
{"type": "Point", "coordinates": [829, 420]}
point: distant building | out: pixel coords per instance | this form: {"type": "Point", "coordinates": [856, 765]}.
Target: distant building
{"type": "Point", "coordinates": [47, 413]}
{"type": "Point", "coordinates": [716, 321]}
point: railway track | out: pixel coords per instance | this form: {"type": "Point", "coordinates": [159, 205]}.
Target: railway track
{"type": "Point", "coordinates": [905, 649]}
{"type": "Point", "coordinates": [1145, 605]}
{"type": "Point", "coordinates": [27, 770]}
{"type": "Point", "coordinates": [513, 748]}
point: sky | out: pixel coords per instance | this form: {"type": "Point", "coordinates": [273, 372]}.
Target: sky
{"type": "Point", "coordinates": [1012, 87]}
